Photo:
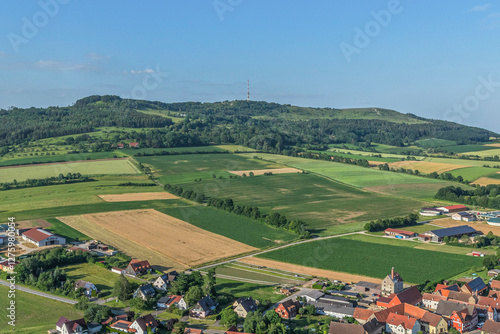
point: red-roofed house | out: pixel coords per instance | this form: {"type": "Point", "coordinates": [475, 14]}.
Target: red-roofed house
{"type": "Point", "coordinates": [444, 290]}
{"type": "Point", "coordinates": [137, 268]}
{"type": "Point", "coordinates": [189, 330]}
{"type": "Point", "coordinates": [134, 144]}
{"type": "Point", "coordinates": [430, 301]}
{"type": "Point", "coordinates": [233, 330]}
{"type": "Point", "coordinates": [41, 237]}
{"type": "Point", "coordinates": [410, 296]}
{"type": "Point", "coordinates": [397, 323]}
{"type": "Point", "coordinates": [66, 326]}
{"type": "Point", "coordinates": [362, 314]}
{"type": "Point", "coordinates": [400, 234]}
{"type": "Point", "coordinates": [495, 285]}
{"type": "Point", "coordinates": [142, 324]}
{"type": "Point", "coordinates": [120, 145]}
{"type": "Point", "coordinates": [463, 321]}
{"type": "Point", "coordinates": [288, 309]}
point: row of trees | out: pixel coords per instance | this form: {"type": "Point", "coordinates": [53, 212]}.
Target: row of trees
{"type": "Point", "coordinates": [48, 181]}
{"type": "Point", "coordinates": [382, 224]}
{"type": "Point", "coordinates": [484, 196]}
{"type": "Point", "coordinates": [434, 175]}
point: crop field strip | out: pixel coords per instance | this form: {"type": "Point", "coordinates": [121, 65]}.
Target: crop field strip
{"type": "Point", "coordinates": [182, 242]}
{"type": "Point", "coordinates": [426, 167]}
{"type": "Point", "coordinates": [374, 259]}
{"type": "Point", "coordinates": [484, 181]}
{"type": "Point", "coordinates": [130, 197]}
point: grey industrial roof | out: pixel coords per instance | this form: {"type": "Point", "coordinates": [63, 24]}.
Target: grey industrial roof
{"type": "Point", "coordinates": [451, 231]}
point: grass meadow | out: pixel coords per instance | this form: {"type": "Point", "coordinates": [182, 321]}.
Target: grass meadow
{"type": "Point", "coordinates": [34, 314]}
{"type": "Point", "coordinates": [186, 168]}
{"type": "Point", "coordinates": [375, 259]}
{"type": "Point", "coordinates": [473, 173]}
{"type": "Point", "coordinates": [61, 157]}
{"type": "Point", "coordinates": [243, 289]}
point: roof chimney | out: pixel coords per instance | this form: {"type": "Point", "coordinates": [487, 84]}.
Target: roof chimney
{"type": "Point", "coordinates": [392, 273]}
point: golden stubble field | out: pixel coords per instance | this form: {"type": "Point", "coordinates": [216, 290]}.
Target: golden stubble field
{"type": "Point", "coordinates": [484, 181]}
{"type": "Point", "coordinates": [426, 166]}
{"type": "Point", "coordinates": [137, 197]}
{"type": "Point", "coordinates": [263, 171]}
{"type": "Point", "coordinates": [157, 237]}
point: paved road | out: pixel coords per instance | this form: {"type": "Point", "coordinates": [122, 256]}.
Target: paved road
{"type": "Point", "coordinates": [41, 294]}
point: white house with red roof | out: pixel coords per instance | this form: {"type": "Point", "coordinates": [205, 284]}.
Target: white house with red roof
{"type": "Point", "coordinates": [137, 268]}
{"type": "Point", "coordinates": [42, 237]}
{"type": "Point", "coordinates": [66, 326]}
{"type": "Point", "coordinates": [398, 323]}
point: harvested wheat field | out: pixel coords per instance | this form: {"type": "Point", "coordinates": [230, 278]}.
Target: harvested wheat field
{"type": "Point", "coordinates": [124, 245]}
{"type": "Point", "coordinates": [262, 171]}
{"type": "Point", "coordinates": [333, 275]}
{"type": "Point", "coordinates": [494, 144]}
{"type": "Point", "coordinates": [173, 238]}
{"type": "Point", "coordinates": [484, 181]}
{"type": "Point", "coordinates": [426, 166]}
{"type": "Point", "coordinates": [478, 225]}
{"type": "Point", "coordinates": [129, 197]}
{"type": "Point", "coordinates": [33, 223]}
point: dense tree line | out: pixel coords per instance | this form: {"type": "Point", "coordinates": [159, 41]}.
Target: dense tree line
{"type": "Point", "coordinates": [484, 196]}
{"type": "Point", "coordinates": [221, 122]}
{"type": "Point", "coordinates": [48, 181]}
{"type": "Point", "coordinates": [382, 224]}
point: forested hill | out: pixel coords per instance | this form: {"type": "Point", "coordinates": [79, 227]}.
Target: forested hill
{"type": "Point", "coordinates": [262, 125]}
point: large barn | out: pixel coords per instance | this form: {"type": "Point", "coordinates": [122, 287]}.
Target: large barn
{"type": "Point", "coordinates": [452, 232]}
{"type": "Point", "coordinates": [42, 238]}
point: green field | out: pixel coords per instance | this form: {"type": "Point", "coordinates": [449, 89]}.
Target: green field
{"type": "Point", "coordinates": [316, 200]}
{"type": "Point", "coordinates": [133, 151]}
{"type": "Point", "coordinates": [107, 167]}
{"type": "Point", "coordinates": [357, 156]}
{"type": "Point", "coordinates": [243, 289]}
{"type": "Point", "coordinates": [103, 279]}
{"type": "Point", "coordinates": [470, 149]}
{"type": "Point", "coordinates": [187, 168]}
{"type": "Point", "coordinates": [34, 314]}
{"type": "Point", "coordinates": [489, 153]}
{"type": "Point", "coordinates": [435, 142]}
{"type": "Point", "coordinates": [66, 231]}
{"type": "Point", "coordinates": [61, 157]}
{"type": "Point", "coordinates": [239, 228]}
{"type": "Point", "coordinates": [20, 201]}
{"type": "Point", "coordinates": [375, 259]}
{"type": "Point", "coordinates": [472, 173]}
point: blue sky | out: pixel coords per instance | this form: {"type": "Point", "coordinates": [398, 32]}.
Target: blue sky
{"type": "Point", "coordinates": [437, 59]}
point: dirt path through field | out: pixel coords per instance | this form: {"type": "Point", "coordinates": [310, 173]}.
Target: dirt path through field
{"type": "Point", "coordinates": [334, 275]}
{"type": "Point", "coordinates": [262, 171]}
{"type": "Point", "coordinates": [128, 197]}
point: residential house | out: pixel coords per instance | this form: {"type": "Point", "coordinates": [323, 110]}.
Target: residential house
{"type": "Point", "coordinates": [193, 331]}
{"type": "Point", "coordinates": [344, 328]}
{"type": "Point", "coordinates": [490, 307]}
{"type": "Point", "coordinates": [144, 292]}
{"type": "Point", "coordinates": [244, 305]}
{"type": "Point", "coordinates": [398, 323]}
{"type": "Point", "coordinates": [143, 324]}
{"type": "Point", "coordinates": [66, 326]}
{"type": "Point", "coordinates": [495, 285]}
{"type": "Point", "coordinates": [490, 327]}
{"type": "Point", "coordinates": [166, 302]}
{"type": "Point", "coordinates": [410, 296]}
{"type": "Point", "coordinates": [362, 315]}
{"type": "Point", "coordinates": [444, 290]}
{"type": "Point", "coordinates": [462, 297]}
{"type": "Point", "coordinates": [368, 288]}
{"type": "Point", "coordinates": [430, 301]}
{"type": "Point", "coordinates": [203, 307]}
{"type": "Point", "coordinates": [8, 266]}
{"type": "Point", "coordinates": [392, 283]}
{"type": "Point", "coordinates": [400, 234]}
{"type": "Point", "coordinates": [234, 330]}
{"type": "Point", "coordinates": [133, 145]}
{"type": "Point", "coordinates": [475, 286]}
{"type": "Point", "coordinates": [459, 315]}
{"type": "Point", "coordinates": [42, 237]}
{"type": "Point", "coordinates": [137, 268]}
{"type": "Point", "coordinates": [288, 309]}
{"type": "Point", "coordinates": [89, 289]}
{"type": "Point", "coordinates": [115, 318]}
{"type": "Point", "coordinates": [164, 281]}
{"type": "Point", "coordinates": [493, 273]}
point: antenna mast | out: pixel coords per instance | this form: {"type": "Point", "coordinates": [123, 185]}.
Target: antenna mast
{"type": "Point", "coordinates": [248, 90]}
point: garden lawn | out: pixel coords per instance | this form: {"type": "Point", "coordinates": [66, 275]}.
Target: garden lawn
{"type": "Point", "coordinates": [243, 289]}
{"type": "Point", "coordinates": [34, 314]}
{"type": "Point", "coordinates": [375, 260]}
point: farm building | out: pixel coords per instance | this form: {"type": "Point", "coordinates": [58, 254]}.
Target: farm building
{"type": "Point", "coordinates": [451, 232]}
{"type": "Point", "coordinates": [475, 286]}
{"type": "Point", "coordinates": [463, 216]}
{"type": "Point", "coordinates": [313, 296]}
{"type": "Point", "coordinates": [118, 271]}
{"type": "Point", "coordinates": [400, 234]}
{"type": "Point", "coordinates": [478, 254]}
{"type": "Point", "coordinates": [430, 212]}
{"type": "Point", "coordinates": [368, 287]}
{"type": "Point", "coordinates": [334, 310]}
{"type": "Point", "coordinates": [41, 237]}
{"type": "Point", "coordinates": [453, 208]}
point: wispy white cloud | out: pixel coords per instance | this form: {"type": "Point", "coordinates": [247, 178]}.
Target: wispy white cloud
{"type": "Point", "coordinates": [97, 56]}
{"type": "Point", "coordinates": [56, 65]}
{"type": "Point", "coordinates": [480, 8]}
{"type": "Point", "coordinates": [145, 71]}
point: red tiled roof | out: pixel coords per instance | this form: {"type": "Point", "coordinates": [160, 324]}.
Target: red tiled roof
{"type": "Point", "coordinates": [494, 284]}
{"type": "Point", "coordinates": [454, 207]}
{"type": "Point", "coordinates": [37, 234]}
{"type": "Point", "coordinates": [362, 313]}
{"type": "Point", "coordinates": [398, 319]}
{"type": "Point", "coordinates": [432, 297]}
{"type": "Point", "coordinates": [193, 331]}
{"type": "Point", "coordinates": [139, 265]}
{"type": "Point", "coordinates": [403, 232]}
{"type": "Point", "coordinates": [410, 296]}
